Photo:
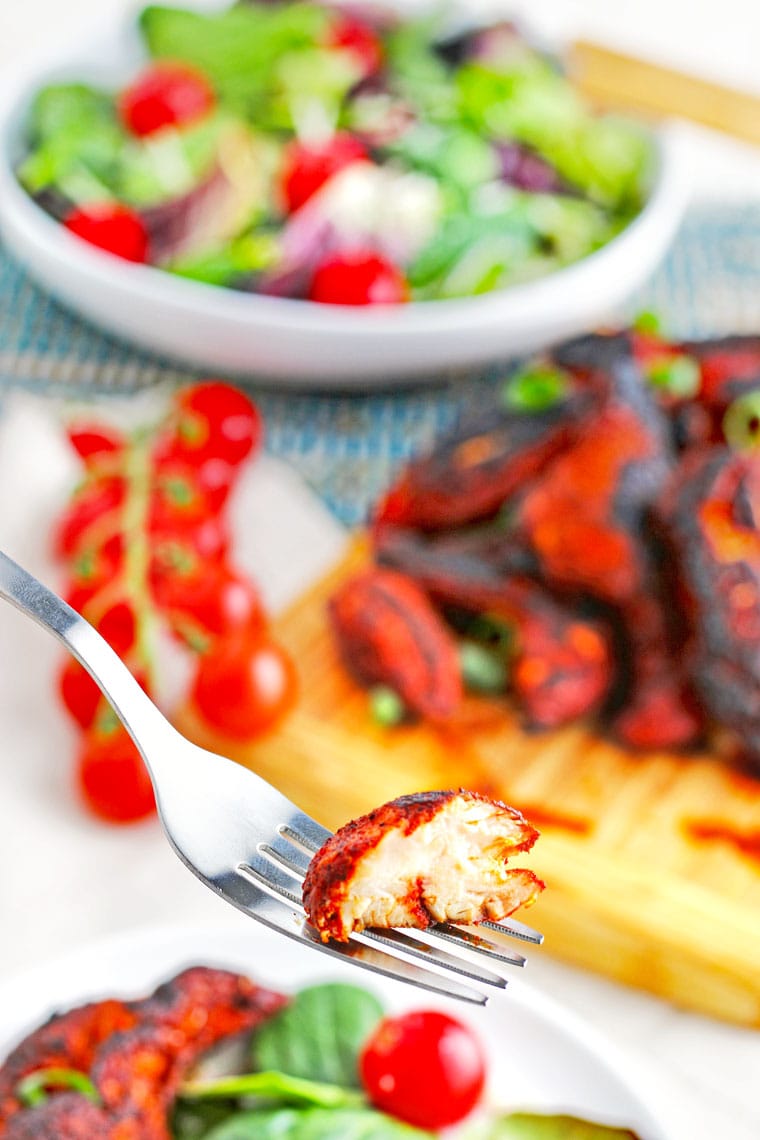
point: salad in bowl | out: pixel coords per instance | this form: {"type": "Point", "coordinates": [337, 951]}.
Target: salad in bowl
{"type": "Point", "coordinates": [328, 193]}
{"type": "Point", "coordinates": [334, 155]}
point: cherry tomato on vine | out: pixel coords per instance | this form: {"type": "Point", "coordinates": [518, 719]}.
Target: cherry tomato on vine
{"type": "Point", "coordinates": [118, 625]}
{"type": "Point", "coordinates": [112, 778]}
{"type": "Point", "coordinates": [79, 693]}
{"type": "Point", "coordinates": [178, 502]}
{"type": "Point", "coordinates": [112, 227]}
{"type": "Point", "coordinates": [186, 553]}
{"type": "Point", "coordinates": [244, 687]}
{"type": "Point", "coordinates": [90, 503]}
{"type": "Point", "coordinates": [360, 39]}
{"type": "Point", "coordinates": [306, 167]}
{"type": "Point", "coordinates": [361, 277]}
{"type": "Point", "coordinates": [211, 420]}
{"type": "Point", "coordinates": [423, 1067]}
{"type": "Point", "coordinates": [213, 601]}
{"type": "Point", "coordinates": [165, 95]}
{"type": "Point", "coordinates": [94, 441]}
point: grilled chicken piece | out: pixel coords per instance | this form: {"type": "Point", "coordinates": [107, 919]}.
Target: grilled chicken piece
{"type": "Point", "coordinates": [586, 522]}
{"type": "Point", "coordinates": [479, 465]}
{"type": "Point", "coordinates": [418, 860]}
{"type": "Point", "coordinates": [68, 1041]}
{"type": "Point", "coordinates": [388, 633]}
{"type": "Point", "coordinates": [136, 1054]}
{"type": "Point", "coordinates": [562, 663]}
{"type": "Point", "coordinates": [711, 514]}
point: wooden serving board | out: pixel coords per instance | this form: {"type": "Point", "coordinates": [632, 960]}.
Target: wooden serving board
{"type": "Point", "coordinates": [652, 863]}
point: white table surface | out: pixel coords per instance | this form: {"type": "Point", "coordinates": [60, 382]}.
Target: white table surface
{"type": "Point", "coordinates": [65, 879]}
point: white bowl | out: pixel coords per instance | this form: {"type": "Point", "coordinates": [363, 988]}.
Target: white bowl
{"type": "Point", "coordinates": [300, 342]}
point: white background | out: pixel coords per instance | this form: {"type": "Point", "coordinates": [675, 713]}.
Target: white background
{"type": "Point", "coordinates": [64, 879]}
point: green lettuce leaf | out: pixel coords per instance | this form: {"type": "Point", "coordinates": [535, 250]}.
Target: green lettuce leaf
{"type": "Point", "coordinates": [530, 1126]}
{"type": "Point", "coordinates": [314, 1124]}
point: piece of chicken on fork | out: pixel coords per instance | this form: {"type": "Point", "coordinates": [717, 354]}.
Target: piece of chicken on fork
{"type": "Point", "coordinates": [421, 859]}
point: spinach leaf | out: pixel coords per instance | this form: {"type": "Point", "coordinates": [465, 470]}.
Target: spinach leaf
{"type": "Point", "coordinates": [319, 1035]}
{"type": "Point", "coordinates": [273, 1086]}
{"type": "Point", "coordinates": [315, 1124]}
{"type": "Point", "coordinates": [530, 1126]}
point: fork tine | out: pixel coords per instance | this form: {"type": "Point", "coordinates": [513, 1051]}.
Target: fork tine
{"type": "Point", "coordinates": [294, 863]}
{"type": "Point", "coordinates": [275, 913]}
{"type": "Point", "coordinates": [268, 878]}
{"type": "Point", "coordinates": [469, 940]}
{"type": "Point", "coordinates": [514, 929]}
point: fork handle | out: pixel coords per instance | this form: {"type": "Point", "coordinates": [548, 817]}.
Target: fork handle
{"type": "Point", "coordinates": [131, 704]}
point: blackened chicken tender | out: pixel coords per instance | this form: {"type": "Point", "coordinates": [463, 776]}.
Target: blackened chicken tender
{"type": "Point", "coordinates": [421, 859]}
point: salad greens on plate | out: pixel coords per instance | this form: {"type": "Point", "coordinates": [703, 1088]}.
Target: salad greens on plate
{"type": "Point", "coordinates": [323, 153]}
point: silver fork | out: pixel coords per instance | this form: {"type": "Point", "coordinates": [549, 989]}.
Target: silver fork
{"type": "Point", "coordinates": [245, 840]}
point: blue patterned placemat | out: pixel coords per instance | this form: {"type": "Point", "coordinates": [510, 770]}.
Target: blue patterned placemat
{"type": "Point", "coordinates": [346, 446]}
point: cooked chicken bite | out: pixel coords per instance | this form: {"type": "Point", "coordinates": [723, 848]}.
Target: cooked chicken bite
{"type": "Point", "coordinates": [421, 859]}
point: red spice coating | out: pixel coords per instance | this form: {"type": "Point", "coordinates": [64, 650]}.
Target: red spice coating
{"type": "Point", "coordinates": [389, 633]}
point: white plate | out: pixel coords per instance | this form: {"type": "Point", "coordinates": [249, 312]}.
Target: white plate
{"type": "Point", "coordinates": [540, 1057]}
{"type": "Point", "coordinates": [296, 341]}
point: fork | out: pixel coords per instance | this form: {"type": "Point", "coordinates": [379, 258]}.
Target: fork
{"type": "Point", "coordinates": [245, 840]}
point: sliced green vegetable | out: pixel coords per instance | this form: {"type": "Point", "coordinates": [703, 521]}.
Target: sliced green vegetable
{"type": "Point", "coordinates": [648, 322]}
{"type": "Point", "coordinates": [273, 1086]}
{"type": "Point", "coordinates": [483, 670]}
{"type": "Point", "coordinates": [535, 388]}
{"type": "Point", "coordinates": [386, 707]}
{"type": "Point", "coordinates": [530, 1126]}
{"type": "Point", "coordinates": [741, 423]}
{"type": "Point", "coordinates": [34, 1088]}
{"type": "Point", "coordinates": [314, 1124]}
{"type": "Point", "coordinates": [677, 375]}
{"type": "Point", "coordinates": [319, 1035]}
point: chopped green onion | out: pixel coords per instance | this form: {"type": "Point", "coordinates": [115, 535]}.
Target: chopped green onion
{"type": "Point", "coordinates": [648, 322]}
{"type": "Point", "coordinates": [677, 375]}
{"type": "Point", "coordinates": [386, 707]}
{"type": "Point", "coordinates": [32, 1090]}
{"type": "Point", "coordinates": [741, 423]}
{"type": "Point", "coordinates": [483, 670]}
{"type": "Point", "coordinates": [495, 632]}
{"type": "Point", "coordinates": [534, 389]}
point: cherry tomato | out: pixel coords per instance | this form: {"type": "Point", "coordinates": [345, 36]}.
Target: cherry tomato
{"type": "Point", "coordinates": [212, 600]}
{"type": "Point", "coordinates": [212, 420]}
{"type": "Point", "coordinates": [177, 500]}
{"type": "Point", "coordinates": [111, 227]}
{"type": "Point", "coordinates": [112, 777]}
{"type": "Point", "coordinates": [118, 625]}
{"type": "Point", "coordinates": [360, 39]}
{"type": "Point", "coordinates": [79, 693]}
{"type": "Point", "coordinates": [358, 278]}
{"type": "Point", "coordinates": [423, 1067]}
{"type": "Point", "coordinates": [94, 499]}
{"type": "Point", "coordinates": [186, 554]}
{"type": "Point", "coordinates": [93, 441]}
{"type": "Point", "coordinates": [166, 94]}
{"type": "Point", "coordinates": [245, 687]}
{"type": "Point", "coordinates": [305, 167]}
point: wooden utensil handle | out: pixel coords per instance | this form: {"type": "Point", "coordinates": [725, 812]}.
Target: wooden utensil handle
{"type": "Point", "coordinates": [623, 82]}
